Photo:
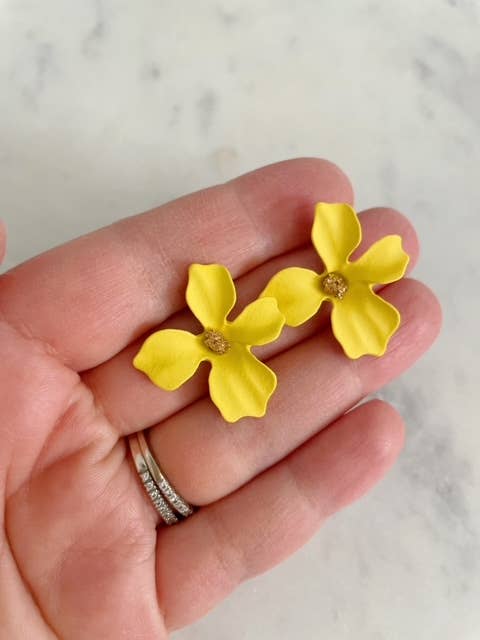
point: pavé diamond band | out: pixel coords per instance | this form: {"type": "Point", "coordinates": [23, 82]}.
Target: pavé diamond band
{"type": "Point", "coordinates": [175, 499]}
{"type": "Point", "coordinates": [164, 497]}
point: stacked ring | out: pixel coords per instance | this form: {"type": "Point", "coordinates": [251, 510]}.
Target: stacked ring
{"type": "Point", "coordinates": [166, 500]}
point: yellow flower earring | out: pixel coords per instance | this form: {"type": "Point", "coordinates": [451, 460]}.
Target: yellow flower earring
{"type": "Point", "coordinates": [240, 385]}
{"type": "Point", "coordinates": [362, 321]}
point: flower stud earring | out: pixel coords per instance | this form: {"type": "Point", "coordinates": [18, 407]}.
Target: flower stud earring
{"type": "Point", "coordinates": [362, 321]}
{"type": "Point", "coordinates": [240, 385]}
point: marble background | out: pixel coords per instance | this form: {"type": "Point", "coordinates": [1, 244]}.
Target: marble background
{"type": "Point", "coordinates": [109, 107]}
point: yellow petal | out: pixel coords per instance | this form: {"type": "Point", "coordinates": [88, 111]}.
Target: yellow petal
{"type": "Point", "coordinates": [336, 233]}
{"type": "Point", "coordinates": [384, 262]}
{"type": "Point", "coordinates": [363, 322]}
{"type": "Point", "coordinates": [297, 292]}
{"type": "Point", "coordinates": [240, 385]}
{"type": "Point", "coordinates": [210, 294]}
{"type": "Point", "coordinates": [259, 323]}
{"type": "Point", "coordinates": [170, 357]}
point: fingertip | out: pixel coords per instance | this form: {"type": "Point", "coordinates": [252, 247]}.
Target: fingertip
{"type": "Point", "coordinates": [330, 174]}
{"type": "Point", "coordinates": [381, 219]}
{"type": "Point", "coordinates": [421, 320]}
{"type": "Point", "coordinates": [305, 180]}
{"type": "Point", "coordinates": [422, 308]}
{"type": "Point", "coordinates": [320, 175]}
{"type": "Point", "coordinates": [357, 451]}
{"type": "Point", "coordinates": [386, 434]}
{"type": "Point", "coordinates": [405, 229]}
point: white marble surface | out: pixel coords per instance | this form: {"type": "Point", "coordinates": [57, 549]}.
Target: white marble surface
{"type": "Point", "coordinates": [109, 107]}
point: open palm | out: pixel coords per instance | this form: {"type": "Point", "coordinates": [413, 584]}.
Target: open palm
{"type": "Point", "coordinates": [80, 552]}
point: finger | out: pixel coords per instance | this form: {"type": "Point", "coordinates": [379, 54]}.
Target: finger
{"type": "Point", "coordinates": [90, 298]}
{"type": "Point", "coordinates": [260, 525]}
{"type": "Point", "coordinates": [3, 241]}
{"type": "Point", "coordinates": [206, 459]}
{"type": "Point", "coordinates": [131, 401]}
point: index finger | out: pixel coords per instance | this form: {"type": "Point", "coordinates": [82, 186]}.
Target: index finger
{"type": "Point", "coordinates": [89, 298]}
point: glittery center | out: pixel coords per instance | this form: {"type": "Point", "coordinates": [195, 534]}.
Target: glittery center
{"type": "Point", "coordinates": [335, 285]}
{"type": "Point", "coordinates": [215, 341]}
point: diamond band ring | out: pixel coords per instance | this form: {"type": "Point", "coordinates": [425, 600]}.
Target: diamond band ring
{"type": "Point", "coordinates": [175, 499]}
{"type": "Point", "coordinates": [166, 500]}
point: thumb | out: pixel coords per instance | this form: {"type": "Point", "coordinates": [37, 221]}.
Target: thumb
{"type": "Point", "coordinates": [3, 241]}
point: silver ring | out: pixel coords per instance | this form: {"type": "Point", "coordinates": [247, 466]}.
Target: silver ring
{"type": "Point", "coordinates": [158, 501]}
{"type": "Point", "coordinates": [163, 496]}
{"type": "Point", "coordinates": [166, 488]}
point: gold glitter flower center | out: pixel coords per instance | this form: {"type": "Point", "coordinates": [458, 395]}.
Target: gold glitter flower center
{"type": "Point", "coordinates": [215, 341]}
{"type": "Point", "coordinates": [334, 284]}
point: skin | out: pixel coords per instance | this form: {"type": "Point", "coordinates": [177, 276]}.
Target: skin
{"type": "Point", "coordinates": [81, 552]}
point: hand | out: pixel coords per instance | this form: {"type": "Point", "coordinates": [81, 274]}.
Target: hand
{"type": "Point", "coordinates": [80, 554]}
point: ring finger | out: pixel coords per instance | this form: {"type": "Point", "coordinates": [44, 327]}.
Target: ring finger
{"type": "Point", "coordinates": [206, 460]}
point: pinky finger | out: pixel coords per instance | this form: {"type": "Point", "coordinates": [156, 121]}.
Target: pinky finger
{"type": "Point", "coordinates": [205, 558]}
